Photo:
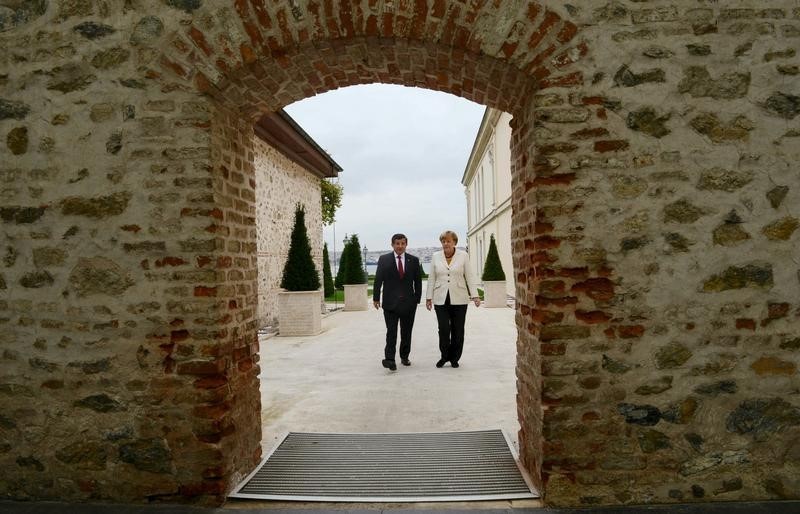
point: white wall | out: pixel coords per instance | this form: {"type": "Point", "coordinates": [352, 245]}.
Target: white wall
{"type": "Point", "coordinates": [488, 192]}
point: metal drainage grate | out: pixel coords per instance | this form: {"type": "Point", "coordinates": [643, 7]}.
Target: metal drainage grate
{"type": "Point", "coordinates": [449, 466]}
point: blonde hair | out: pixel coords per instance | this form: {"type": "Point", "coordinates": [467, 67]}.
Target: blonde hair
{"type": "Point", "coordinates": [448, 233]}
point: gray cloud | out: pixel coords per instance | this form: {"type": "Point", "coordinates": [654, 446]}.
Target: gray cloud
{"type": "Point", "coordinates": [403, 151]}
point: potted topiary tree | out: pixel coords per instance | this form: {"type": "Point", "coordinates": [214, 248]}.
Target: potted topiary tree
{"type": "Point", "coordinates": [299, 312]}
{"type": "Point", "coordinates": [494, 280]}
{"type": "Point", "coordinates": [355, 283]}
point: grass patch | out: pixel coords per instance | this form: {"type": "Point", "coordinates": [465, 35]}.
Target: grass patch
{"type": "Point", "coordinates": [338, 295]}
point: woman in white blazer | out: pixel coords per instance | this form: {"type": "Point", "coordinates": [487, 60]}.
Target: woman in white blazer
{"type": "Point", "coordinates": [451, 286]}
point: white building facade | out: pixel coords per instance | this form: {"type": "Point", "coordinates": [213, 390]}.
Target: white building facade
{"type": "Point", "coordinates": [487, 183]}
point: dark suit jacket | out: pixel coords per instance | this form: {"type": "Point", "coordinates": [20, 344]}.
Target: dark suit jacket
{"type": "Point", "coordinates": [398, 294]}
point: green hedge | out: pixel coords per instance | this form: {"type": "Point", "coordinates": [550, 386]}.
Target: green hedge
{"type": "Point", "coordinates": [327, 278]}
{"type": "Point", "coordinates": [342, 261]}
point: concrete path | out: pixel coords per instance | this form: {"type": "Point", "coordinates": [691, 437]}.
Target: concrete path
{"type": "Point", "coordinates": [334, 382]}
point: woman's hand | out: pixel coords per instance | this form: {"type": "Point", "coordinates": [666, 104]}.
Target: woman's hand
{"type": "Point", "coordinates": [477, 300]}
{"type": "Point", "coordinates": [428, 304]}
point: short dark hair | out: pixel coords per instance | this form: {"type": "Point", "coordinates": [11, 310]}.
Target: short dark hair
{"type": "Point", "coordinates": [399, 236]}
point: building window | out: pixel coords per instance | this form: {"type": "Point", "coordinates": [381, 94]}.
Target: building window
{"type": "Point", "coordinates": [480, 254]}
{"type": "Point", "coordinates": [475, 195]}
{"type": "Point", "coordinates": [482, 195]}
{"type": "Point", "coordinates": [493, 196]}
{"type": "Point", "coordinates": [469, 211]}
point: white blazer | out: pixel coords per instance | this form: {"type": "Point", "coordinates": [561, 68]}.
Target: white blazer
{"type": "Point", "coordinates": [455, 278]}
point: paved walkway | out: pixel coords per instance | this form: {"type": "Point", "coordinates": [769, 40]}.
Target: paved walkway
{"type": "Point", "coordinates": [334, 382]}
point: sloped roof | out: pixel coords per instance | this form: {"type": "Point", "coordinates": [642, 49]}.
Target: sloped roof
{"type": "Point", "coordinates": [280, 131]}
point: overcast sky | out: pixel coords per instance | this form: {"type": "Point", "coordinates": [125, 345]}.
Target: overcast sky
{"type": "Point", "coordinates": [403, 151]}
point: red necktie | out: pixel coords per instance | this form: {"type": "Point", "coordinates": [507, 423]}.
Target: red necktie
{"type": "Point", "coordinates": [400, 266]}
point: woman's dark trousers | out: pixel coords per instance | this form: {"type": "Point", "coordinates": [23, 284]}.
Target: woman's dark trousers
{"type": "Point", "coordinates": [451, 329]}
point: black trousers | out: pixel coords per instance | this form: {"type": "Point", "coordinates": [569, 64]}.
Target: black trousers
{"type": "Point", "coordinates": [405, 316]}
{"type": "Point", "coordinates": [451, 320]}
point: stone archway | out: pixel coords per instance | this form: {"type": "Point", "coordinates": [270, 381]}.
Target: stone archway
{"type": "Point", "coordinates": [651, 259]}
{"type": "Point", "coordinates": [390, 48]}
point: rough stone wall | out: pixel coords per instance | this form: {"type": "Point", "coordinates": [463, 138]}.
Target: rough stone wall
{"type": "Point", "coordinates": [666, 258]}
{"type": "Point", "coordinates": [120, 373]}
{"type": "Point", "coordinates": [655, 183]}
{"type": "Point", "coordinates": [280, 184]}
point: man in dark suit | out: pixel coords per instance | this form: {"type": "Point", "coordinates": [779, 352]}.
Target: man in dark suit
{"type": "Point", "coordinates": [398, 275]}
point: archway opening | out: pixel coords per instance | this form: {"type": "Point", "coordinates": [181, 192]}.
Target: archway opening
{"type": "Point", "coordinates": [405, 153]}
{"type": "Point", "coordinates": [313, 70]}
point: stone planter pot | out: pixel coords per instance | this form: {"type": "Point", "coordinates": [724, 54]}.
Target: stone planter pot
{"type": "Point", "coordinates": [299, 313]}
{"type": "Point", "coordinates": [355, 297]}
{"type": "Point", "coordinates": [494, 293]}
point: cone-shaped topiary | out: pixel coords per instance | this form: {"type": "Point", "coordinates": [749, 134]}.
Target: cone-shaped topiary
{"type": "Point", "coordinates": [299, 273]}
{"type": "Point", "coordinates": [342, 261]}
{"type": "Point", "coordinates": [327, 278]}
{"type": "Point", "coordinates": [353, 267]}
{"type": "Point", "coordinates": [492, 268]}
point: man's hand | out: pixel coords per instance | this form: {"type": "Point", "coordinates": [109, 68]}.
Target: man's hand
{"type": "Point", "coordinates": [377, 305]}
{"type": "Point", "coordinates": [428, 304]}
{"type": "Point", "coordinates": [477, 301]}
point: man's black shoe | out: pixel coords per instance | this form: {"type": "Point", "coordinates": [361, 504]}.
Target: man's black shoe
{"type": "Point", "coordinates": [405, 362]}
{"type": "Point", "coordinates": [389, 364]}
{"type": "Point", "coordinates": [440, 363]}
{"type": "Point", "coordinates": [454, 364]}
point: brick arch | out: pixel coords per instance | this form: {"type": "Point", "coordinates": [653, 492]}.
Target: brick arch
{"type": "Point", "coordinates": [276, 59]}
{"type": "Point", "coordinates": [256, 58]}
{"type": "Point", "coordinates": [315, 69]}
